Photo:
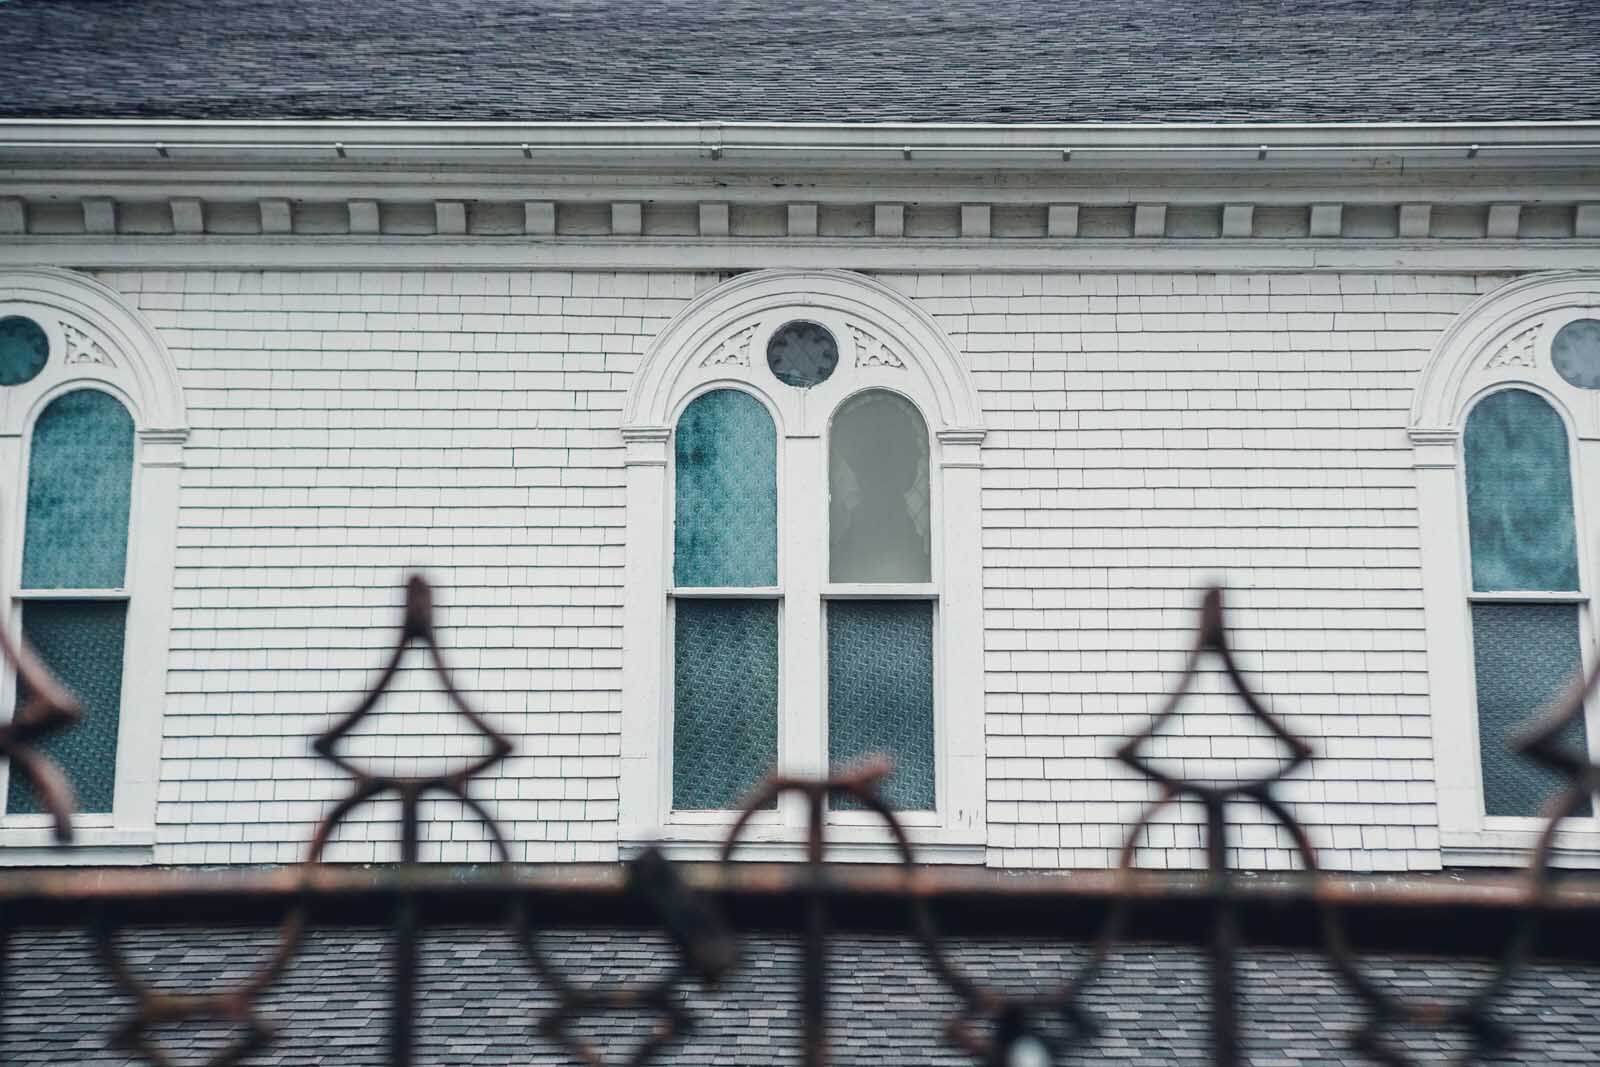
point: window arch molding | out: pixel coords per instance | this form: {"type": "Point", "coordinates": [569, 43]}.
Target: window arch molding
{"type": "Point", "coordinates": [884, 342]}
{"type": "Point", "coordinates": [91, 326]}
{"type": "Point", "coordinates": [751, 300]}
{"type": "Point", "coordinates": [1502, 342]}
{"type": "Point", "coordinates": [98, 342]}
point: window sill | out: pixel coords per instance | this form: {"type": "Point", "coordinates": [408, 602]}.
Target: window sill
{"type": "Point", "coordinates": [1511, 847]}
{"type": "Point", "coordinates": [847, 843]}
{"type": "Point", "coordinates": [32, 845]}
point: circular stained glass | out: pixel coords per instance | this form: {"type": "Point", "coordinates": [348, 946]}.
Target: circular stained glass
{"type": "Point", "coordinates": [23, 349]}
{"type": "Point", "coordinates": [802, 353]}
{"type": "Point", "coordinates": [1576, 353]}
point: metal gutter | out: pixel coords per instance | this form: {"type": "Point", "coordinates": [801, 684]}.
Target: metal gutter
{"type": "Point", "coordinates": [1291, 144]}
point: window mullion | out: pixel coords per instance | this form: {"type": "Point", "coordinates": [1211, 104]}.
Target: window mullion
{"type": "Point", "coordinates": [802, 510]}
{"type": "Point", "coordinates": [1586, 483]}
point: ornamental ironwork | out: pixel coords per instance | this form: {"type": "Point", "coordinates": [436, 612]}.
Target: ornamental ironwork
{"type": "Point", "coordinates": [694, 906]}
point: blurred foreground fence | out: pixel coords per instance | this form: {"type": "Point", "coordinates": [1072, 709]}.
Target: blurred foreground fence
{"type": "Point", "coordinates": [1508, 918]}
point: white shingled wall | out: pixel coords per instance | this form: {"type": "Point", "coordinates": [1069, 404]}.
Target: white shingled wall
{"type": "Point", "coordinates": [1148, 433]}
{"type": "Point", "coordinates": [1151, 433]}
{"type": "Point", "coordinates": [346, 428]}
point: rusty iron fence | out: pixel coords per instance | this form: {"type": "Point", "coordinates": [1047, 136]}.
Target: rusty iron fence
{"type": "Point", "coordinates": [1508, 918]}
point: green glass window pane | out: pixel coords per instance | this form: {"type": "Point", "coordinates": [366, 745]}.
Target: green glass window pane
{"type": "Point", "coordinates": [23, 349]}
{"type": "Point", "coordinates": [1524, 656]}
{"type": "Point", "coordinates": [878, 491]}
{"type": "Point", "coordinates": [880, 693]}
{"type": "Point", "coordinates": [724, 699]}
{"type": "Point", "coordinates": [726, 467]}
{"type": "Point", "coordinates": [1519, 495]}
{"type": "Point", "coordinates": [80, 478]}
{"type": "Point", "coordinates": [81, 642]}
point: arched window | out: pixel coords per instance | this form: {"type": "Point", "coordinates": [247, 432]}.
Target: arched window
{"type": "Point", "coordinates": [1506, 436]}
{"type": "Point", "coordinates": [91, 431]}
{"type": "Point", "coordinates": [725, 600]}
{"type": "Point", "coordinates": [880, 651]}
{"type": "Point", "coordinates": [1525, 590]}
{"type": "Point", "coordinates": [73, 595]}
{"type": "Point", "coordinates": [812, 440]}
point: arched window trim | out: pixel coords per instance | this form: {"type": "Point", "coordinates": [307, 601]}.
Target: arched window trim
{"type": "Point", "coordinates": [99, 342]}
{"type": "Point", "coordinates": [1501, 342]}
{"type": "Point", "coordinates": [885, 342]}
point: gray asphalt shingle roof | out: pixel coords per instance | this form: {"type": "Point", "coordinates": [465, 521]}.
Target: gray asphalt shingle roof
{"type": "Point", "coordinates": [477, 1001]}
{"type": "Point", "coordinates": [804, 60]}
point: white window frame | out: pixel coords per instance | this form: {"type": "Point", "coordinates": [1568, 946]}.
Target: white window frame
{"type": "Point", "coordinates": [98, 341]}
{"type": "Point", "coordinates": [1501, 342]}
{"type": "Point", "coordinates": [885, 342]}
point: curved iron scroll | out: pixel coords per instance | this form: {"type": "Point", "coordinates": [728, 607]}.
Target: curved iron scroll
{"type": "Point", "coordinates": [44, 707]}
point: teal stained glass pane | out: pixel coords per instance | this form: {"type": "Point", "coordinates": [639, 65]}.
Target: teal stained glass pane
{"type": "Point", "coordinates": [81, 642]}
{"type": "Point", "coordinates": [878, 527]}
{"type": "Point", "coordinates": [880, 693]}
{"type": "Point", "coordinates": [1524, 656]}
{"type": "Point", "coordinates": [1519, 495]}
{"type": "Point", "coordinates": [724, 700]}
{"type": "Point", "coordinates": [80, 478]}
{"type": "Point", "coordinates": [24, 348]}
{"type": "Point", "coordinates": [726, 527]}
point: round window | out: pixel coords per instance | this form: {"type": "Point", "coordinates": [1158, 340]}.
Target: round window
{"type": "Point", "coordinates": [1576, 353]}
{"type": "Point", "coordinates": [802, 353]}
{"type": "Point", "coordinates": [23, 349]}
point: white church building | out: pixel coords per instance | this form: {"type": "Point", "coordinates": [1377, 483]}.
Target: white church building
{"type": "Point", "coordinates": [754, 427]}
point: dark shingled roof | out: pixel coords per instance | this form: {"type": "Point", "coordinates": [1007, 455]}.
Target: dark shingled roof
{"type": "Point", "coordinates": [477, 1001]}
{"type": "Point", "coordinates": [804, 60]}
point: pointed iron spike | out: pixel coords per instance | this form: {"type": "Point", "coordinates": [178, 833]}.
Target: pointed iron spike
{"type": "Point", "coordinates": [1212, 632]}
{"type": "Point", "coordinates": [419, 607]}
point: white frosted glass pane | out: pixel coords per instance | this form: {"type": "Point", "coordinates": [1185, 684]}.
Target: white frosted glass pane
{"type": "Point", "coordinates": [878, 491]}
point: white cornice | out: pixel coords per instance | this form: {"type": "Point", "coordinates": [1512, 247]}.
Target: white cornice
{"type": "Point", "coordinates": [1512, 197]}
{"type": "Point", "coordinates": [379, 253]}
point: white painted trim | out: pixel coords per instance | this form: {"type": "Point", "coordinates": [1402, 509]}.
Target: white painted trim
{"type": "Point", "coordinates": [27, 841]}
{"type": "Point", "coordinates": [1236, 145]}
{"type": "Point", "coordinates": [964, 255]}
{"type": "Point", "coordinates": [1498, 846]}
{"type": "Point", "coordinates": [880, 591]}
{"type": "Point", "coordinates": [718, 592]}
{"type": "Point", "coordinates": [885, 342]}
{"type": "Point", "coordinates": [758, 850]}
{"type": "Point", "coordinates": [1501, 341]}
{"type": "Point", "coordinates": [1494, 320]}
{"type": "Point", "coordinates": [848, 304]}
{"type": "Point", "coordinates": [542, 192]}
{"type": "Point", "coordinates": [70, 594]}
{"type": "Point", "coordinates": [1533, 597]}
{"type": "Point", "coordinates": [145, 374]}
{"type": "Point", "coordinates": [117, 352]}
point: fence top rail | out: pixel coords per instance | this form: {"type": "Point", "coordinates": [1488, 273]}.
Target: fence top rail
{"type": "Point", "coordinates": [1442, 914]}
{"type": "Point", "coordinates": [24, 888]}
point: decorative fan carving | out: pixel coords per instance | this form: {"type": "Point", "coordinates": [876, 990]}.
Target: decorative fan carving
{"type": "Point", "coordinates": [81, 348]}
{"type": "Point", "coordinates": [1517, 352]}
{"type": "Point", "coordinates": [873, 351]}
{"type": "Point", "coordinates": [732, 351]}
